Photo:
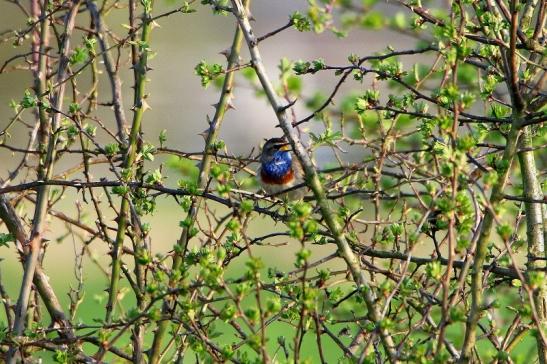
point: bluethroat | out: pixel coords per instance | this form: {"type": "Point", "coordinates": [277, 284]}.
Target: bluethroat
{"type": "Point", "coordinates": [280, 170]}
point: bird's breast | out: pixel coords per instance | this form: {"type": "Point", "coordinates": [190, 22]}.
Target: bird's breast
{"type": "Point", "coordinates": [283, 179]}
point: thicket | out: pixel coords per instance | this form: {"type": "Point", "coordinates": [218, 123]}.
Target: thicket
{"type": "Point", "coordinates": [422, 240]}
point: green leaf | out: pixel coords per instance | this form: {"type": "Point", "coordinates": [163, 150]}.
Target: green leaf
{"type": "Point", "coordinates": [155, 177]}
{"type": "Point", "coordinates": [5, 239]}
{"type": "Point", "coordinates": [300, 22]}
{"type": "Point", "coordinates": [79, 55]}
{"type": "Point", "coordinates": [29, 100]}
{"type": "Point", "coordinates": [162, 137]}
{"type": "Point", "coordinates": [112, 149]}
{"type": "Point", "coordinates": [504, 231]}
{"type": "Point", "coordinates": [301, 67]}
{"type": "Point", "coordinates": [208, 72]}
{"type": "Point", "coordinates": [120, 190]}
{"type": "Point", "coordinates": [74, 107]}
{"type": "Point", "coordinates": [434, 270]}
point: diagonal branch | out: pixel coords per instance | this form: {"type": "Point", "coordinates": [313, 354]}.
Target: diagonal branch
{"type": "Point", "coordinates": [313, 181]}
{"type": "Point", "coordinates": [203, 178]}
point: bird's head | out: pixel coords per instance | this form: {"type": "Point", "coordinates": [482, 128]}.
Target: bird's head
{"type": "Point", "coordinates": [275, 148]}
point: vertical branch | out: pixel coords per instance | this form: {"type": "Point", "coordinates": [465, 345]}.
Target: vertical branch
{"type": "Point", "coordinates": [139, 247]}
{"type": "Point", "coordinates": [527, 14]}
{"type": "Point", "coordinates": [119, 113]}
{"type": "Point", "coordinates": [482, 244]}
{"type": "Point", "coordinates": [46, 170]}
{"type": "Point", "coordinates": [312, 180]}
{"type": "Point", "coordinates": [40, 74]}
{"type": "Point", "coordinates": [115, 82]}
{"type": "Point", "coordinates": [532, 189]}
{"type": "Point", "coordinates": [212, 133]}
{"type": "Point", "coordinates": [513, 61]}
{"type": "Point", "coordinates": [445, 282]}
{"type": "Point", "coordinates": [7, 303]}
{"type": "Point", "coordinates": [511, 67]}
{"type": "Point", "coordinates": [534, 230]}
{"type": "Point", "coordinates": [141, 70]}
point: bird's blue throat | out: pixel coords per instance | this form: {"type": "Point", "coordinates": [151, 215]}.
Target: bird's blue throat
{"type": "Point", "coordinates": [278, 166]}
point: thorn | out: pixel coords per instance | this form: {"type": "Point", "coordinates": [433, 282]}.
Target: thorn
{"type": "Point", "coordinates": [145, 106]}
{"type": "Point", "coordinates": [288, 106]}
{"type": "Point", "coordinates": [204, 133]}
{"type": "Point", "coordinates": [250, 16]}
{"type": "Point", "coordinates": [226, 53]}
{"type": "Point", "coordinates": [154, 24]}
{"type": "Point", "coordinates": [215, 106]}
{"type": "Point", "coordinates": [229, 106]}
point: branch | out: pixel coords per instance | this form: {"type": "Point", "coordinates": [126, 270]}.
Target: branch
{"type": "Point", "coordinates": [313, 181]}
{"type": "Point", "coordinates": [141, 70]}
{"type": "Point", "coordinates": [115, 82]}
{"type": "Point", "coordinates": [534, 229]}
{"type": "Point", "coordinates": [41, 280]}
{"type": "Point", "coordinates": [483, 241]}
{"type": "Point", "coordinates": [500, 271]}
{"type": "Point", "coordinates": [46, 169]}
{"type": "Point", "coordinates": [274, 32]}
{"type": "Point", "coordinates": [203, 179]}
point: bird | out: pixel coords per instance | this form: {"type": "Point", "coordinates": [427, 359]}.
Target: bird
{"type": "Point", "coordinates": [280, 170]}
